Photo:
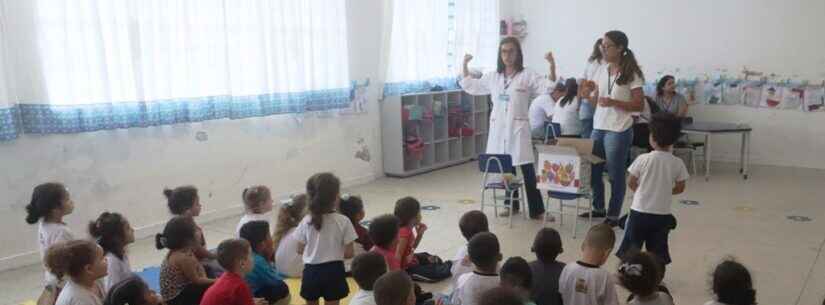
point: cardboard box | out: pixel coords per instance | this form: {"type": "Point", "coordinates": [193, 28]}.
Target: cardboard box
{"type": "Point", "coordinates": [565, 167]}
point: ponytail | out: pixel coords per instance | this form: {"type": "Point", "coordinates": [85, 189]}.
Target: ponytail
{"type": "Point", "coordinates": [180, 199]}
{"type": "Point", "coordinates": [70, 258]}
{"type": "Point", "coordinates": [572, 91]}
{"type": "Point", "coordinates": [630, 68]}
{"type": "Point", "coordinates": [45, 198]}
{"type": "Point", "coordinates": [323, 190]}
{"type": "Point", "coordinates": [178, 233]}
{"type": "Point", "coordinates": [160, 241]}
{"type": "Point", "coordinates": [109, 230]}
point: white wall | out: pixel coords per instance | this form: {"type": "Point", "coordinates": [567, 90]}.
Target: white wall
{"type": "Point", "coordinates": [695, 37]}
{"type": "Point", "coordinates": [125, 170]}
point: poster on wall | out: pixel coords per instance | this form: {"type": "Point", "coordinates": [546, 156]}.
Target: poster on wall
{"type": "Point", "coordinates": [752, 93]}
{"type": "Point", "coordinates": [771, 96]}
{"type": "Point", "coordinates": [732, 92]}
{"type": "Point", "coordinates": [814, 100]}
{"type": "Point", "coordinates": [713, 92]}
{"type": "Point", "coordinates": [687, 89]}
{"type": "Point", "coordinates": [793, 97]}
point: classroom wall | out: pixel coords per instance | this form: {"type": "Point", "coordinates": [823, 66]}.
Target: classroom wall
{"type": "Point", "coordinates": [690, 38]}
{"type": "Point", "coordinates": [125, 170]}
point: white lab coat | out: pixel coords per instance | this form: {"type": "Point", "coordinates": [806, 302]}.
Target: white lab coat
{"type": "Point", "coordinates": [509, 124]}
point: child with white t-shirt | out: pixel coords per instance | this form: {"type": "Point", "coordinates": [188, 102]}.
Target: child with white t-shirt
{"type": "Point", "coordinates": [85, 264]}
{"type": "Point", "coordinates": [584, 282]}
{"type": "Point", "coordinates": [49, 204]}
{"type": "Point", "coordinates": [257, 201]}
{"type": "Point", "coordinates": [113, 233]}
{"type": "Point", "coordinates": [287, 260]}
{"type": "Point", "coordinates": [485, 253]}
{"type": "Point", "coordinates": [325, 239]}
{"type": "Point", "coordinates": [655, 177]}
{"type": "Point", "coordinates": [470, 224]}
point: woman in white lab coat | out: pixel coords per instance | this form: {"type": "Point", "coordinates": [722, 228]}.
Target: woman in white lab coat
{"type": "Point", "coordinates": [510, 88]}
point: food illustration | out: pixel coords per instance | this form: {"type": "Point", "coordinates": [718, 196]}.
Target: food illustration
{"type": "Point", "coordinates": [557, 173]}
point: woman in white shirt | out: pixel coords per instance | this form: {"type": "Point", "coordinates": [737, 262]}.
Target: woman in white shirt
{"type": "Point", "coordinates": [511, 87]}
{"type": "Point", "coordinates": [617, 87]}
{"type": "Point", "coordinates": [541, 109]}
{"type": "Point", "coordinates": [586, 109]}
{"type": "Point", "coordinates": [567, 110]}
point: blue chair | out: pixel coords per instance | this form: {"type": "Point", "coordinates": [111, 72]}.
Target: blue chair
{"type": "Point", "coordinates": [562, 197]}
{"type": "Point", "coordinates": [500, 164]}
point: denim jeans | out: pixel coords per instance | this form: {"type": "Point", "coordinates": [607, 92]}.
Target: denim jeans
{"type": "Point", "coordinates": [614, 147]}
{"type": "Point", "coordinates": [587, 128]}
{"type": "Point", "coordinates": [586, 112]}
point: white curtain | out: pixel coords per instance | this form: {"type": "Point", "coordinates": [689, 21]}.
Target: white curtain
{"type": "Point", "coordinates": [8, 113]}
{"type": "Point", "coordinates": [145, 50]}
{"type": "Point", "coordinates": [477, 33]}
{"type": "Point", "coordinates": [418, 43]}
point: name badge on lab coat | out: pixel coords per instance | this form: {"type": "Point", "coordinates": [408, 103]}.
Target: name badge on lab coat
{"type": "Point", "coordinates": [504, 97]}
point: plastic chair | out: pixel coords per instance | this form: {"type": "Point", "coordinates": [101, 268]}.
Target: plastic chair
{"type": "Point", "coordinates": [500, 164]}
{"type": "Point", "coordinates": [562, 197]}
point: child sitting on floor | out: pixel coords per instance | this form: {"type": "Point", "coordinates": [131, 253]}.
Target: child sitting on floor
{"type": "Point", "coordinates": [257, 202]}
{"type": "Point", "coordinates": [485, 253]}
{"type": "Point", "coordinates": [287, 259]}
{"type": "Point", "coordinates": [421, 266]}
{"type": "Point", "coordinates": [264, 280]}
{"type": "Point", "coordinates": [516, 274]}
{"type": "Point", "coordinates": [732, 284]}
{"type": "Point", "coordinates": [394, 288]}
{"type": "Point", "coordinates": [366, 269]}
{"type": "Point", "coordinates": [235, 257]}
{"type": "Point", "coordinates": [184, 201]}
{"type": "Point", "coordinates": [639, 274]}
{"type": "Point", "coordinates": [85, 264]}
{"type": "Point", "coordinates": [132, 291]}
{"type": "Point", "coordinates": [584, 282]}
{"type": "Point", "coordinates": [546, 269]}
{"type": "Point", "coordinates": [470, 224]}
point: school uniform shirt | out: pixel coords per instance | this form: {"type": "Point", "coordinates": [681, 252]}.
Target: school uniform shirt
{"type": "Point", "coordinates": [612, 118]}
{"type": "Point", "coordinates": [263, 274]}
{"type": "Point", "coordinates": [229, 289]}
{"type": "Point", "coordinates": [568, 117]}
{"type": "Point", "coordinates": [509, 131]}
{"type": "Point", "coordinates": [585, 284]}
{"type": "Point", "coordinates": [541, 108]}
{"type": "Point", "coordinates": [287, 259]}
{"type": "Point", "coordinates": [74, 294]}
{"type": "Point", "coordinates": [363, 297]}
{"type": "Point", "coordinates": [471, 286]}
{"type": "Point", "coordinates": [658, 172]}
{"type": "Point", "coordinates": [458, 269]}
{"type": "Point", "coordinates": [661, 298]}
{"type": "Point", "coordinates": [326, 245]}
{"type": "Point", "coordinates": [250, 217]}
{"type": "Point", "coordinates": [393, 263]}
{"type": "Point", "coordinates": [545, 290]}
{"type": "Point", "coordinates": [48, 234]}
{"type": "Point", "coordinates": [118, 270]}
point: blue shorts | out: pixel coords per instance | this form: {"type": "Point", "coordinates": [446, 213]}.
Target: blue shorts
{"type": "Point", "coordinates": [650, 231]}
{"type": "Point", "coordinates": [327, 280]}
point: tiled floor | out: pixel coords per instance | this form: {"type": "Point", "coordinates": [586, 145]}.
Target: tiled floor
{"type": "Point", "coordinates": [745, 219]}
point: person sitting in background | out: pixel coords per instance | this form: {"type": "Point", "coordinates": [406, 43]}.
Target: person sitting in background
{"type": "Point", "coordinates": [668, 99]}
{"type": "Point", "coordinates": [541, 110]}
{"type": "Point", "coordinates": [566, 115]}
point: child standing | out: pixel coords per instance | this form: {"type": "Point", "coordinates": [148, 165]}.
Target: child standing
{"type": "Point", "coordinates": [287, 259]}
{"type": "Point", "coordinates": [235, 257]}
{"type": "Point", "coordinates": [183, 279]}
{"type": "Point", "coordinates": [546, 269]}
{"type": "Point", "coordinates": [584, 282]}
{"type": "Point", "coordinates": [485, 253]}
{"type": "Point", "coordinates": [325, 239]}
{"type": "Point", "coordinates": [85, 264]}
{"type": "Point", "coordinates": [384, 233]}
{"type": "Point", "coordinates": [184, 201]}
{"type": "Point", "coordinates": [516, 275]}
{"type": "Point", "coordinates": [394, 288]}
{"type": "Point", "coordinates": [353, 208]}
{"type": "Point", "coordinates": [470, 224]}
{"type": "Point", "coordinates": [639, 274]}
{"type": "Point", "coordinates": [264, 280]}
{"type": "Point", "coordinates": [257, 201]}
{"type": "Point", "coordinates": [732, 284]}
{"type": "Point", "coordinates": [49, 204]}
{"type": "Point", "coordinates": [655, 177]}
{"type": "Point", "coordinates": [429, 268]}
{"type": "Point", "coordinates": [366, 269]}
{"type": "Point", "coordinates": [113, 233]}
{"type": "Point", "coordinates": [132, 291]}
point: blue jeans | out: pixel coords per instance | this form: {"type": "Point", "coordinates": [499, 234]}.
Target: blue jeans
{"type": "Point", "coordinates": [615, 148]}
{"type": "Point", "coordinates": [587, 128]}
{"type": "Point", "coordinates": [586, 111]}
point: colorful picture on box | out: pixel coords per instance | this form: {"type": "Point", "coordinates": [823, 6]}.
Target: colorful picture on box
{"type": "Point", "coordinates": [560, 174]}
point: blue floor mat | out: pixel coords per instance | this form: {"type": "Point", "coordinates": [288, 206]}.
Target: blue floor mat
{"type": "Point", "coordinates": [151, 276]}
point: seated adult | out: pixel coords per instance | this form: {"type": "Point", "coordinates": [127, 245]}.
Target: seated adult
{"type": "Point", "coordinates": [541, 110]}
{"type": "Point", "coordinates": [668, 99]}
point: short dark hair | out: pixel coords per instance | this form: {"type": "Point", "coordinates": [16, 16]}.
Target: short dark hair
{"type": "Point", "coordinates": [231, 251]}
{"type": "Point", "coordinates": [351, 206]}
{"type": "Point", "coordinates": [732, 283]}
{"type": "Point", "coordinates": [181, 198]}
{"type": "Point", "coordinates": [393, 288]}
{"type": "Point", "coordinates": [665, 128]}
{"type": "Point", "coordinates": [406, 209]}
{"type": "Point", "coordinates": [501, 296]}
{"type": "Point", "coordinates": [600, 236]}
{"type": "Point", "coordinates": [472, 223]}
{"type": "Point", "coordinates": [516, 272]}
{"type": "Point", "coordinates": [178, 233]}
{"type": "Point", "coordinates": [484, 250]}
{"type": "Point", "coordinates": [367, 268]}
{"type": "Point", "coordinates": [660, 86]}
{"type": "Point", "coordinates": [383, 230]}
{"type": "Point", "coordinates": [547, 245]}
{"type": "Point", "coordinates": [129, 291]}
{"type": "Point", "coordinates": [255, 232]}
{"type": "Point", "coordinates": [639, 273]}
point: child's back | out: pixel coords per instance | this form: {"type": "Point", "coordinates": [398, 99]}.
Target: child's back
{"type": "Point", "coordinates": [485, 253]}
{"type": "Point", "coordinates": [582, 284]}
{"type": "Point", "coordinates": [658, 172]}
{"type": "Point", "coordinates": [326, 245]}
{"type": "Point", "coordinates": [545, 269]}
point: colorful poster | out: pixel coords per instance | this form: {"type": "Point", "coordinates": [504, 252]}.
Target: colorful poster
{"type": "Point", "coordinates": [713, 92]}
{"type": "Point", "coordinates": [771, 96]}
{"type": "Point", "coordinates": [752, 93]}
{"type": "Point", "coordinates": [732, 92]}
{"type": "Point", "coordinates": [814, 99]}
{"type": "Point", "coordinates": [793, 97]}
